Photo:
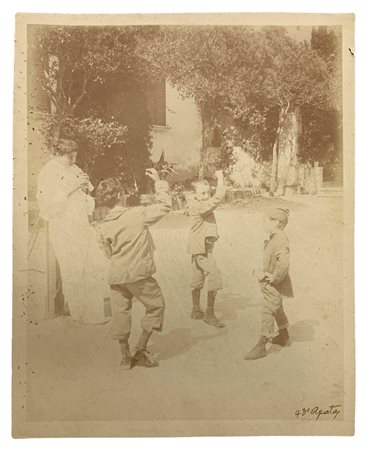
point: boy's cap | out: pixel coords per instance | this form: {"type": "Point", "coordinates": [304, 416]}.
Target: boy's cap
{"type": "Point", "coordinates": [280, 214]}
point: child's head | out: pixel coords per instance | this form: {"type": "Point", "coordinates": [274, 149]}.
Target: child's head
{"type": "Point", "coordinates": [202, 190]}
{"type": "Point", "coordinates": [65, 150]}
{"type": "Point", "coordinates": [109, 192]}
{"type": "Point", "coordinates": [275, 219]}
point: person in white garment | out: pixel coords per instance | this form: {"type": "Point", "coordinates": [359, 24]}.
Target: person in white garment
{"type": "Point", "coordinates": [64, 201]}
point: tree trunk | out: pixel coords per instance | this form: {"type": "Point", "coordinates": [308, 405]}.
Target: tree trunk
{"type": "Point", "coordinates": [56, 132]}
{"type": "Point", "coordinates": [207, 120]}
{"type": "Point", "coordinates": [287, 152]}
{"type": "Point", "coordinates": [206, 130]}
{"type": "Point", "coordinates": [274, 167]}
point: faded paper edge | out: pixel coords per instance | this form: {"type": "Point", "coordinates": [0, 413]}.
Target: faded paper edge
{"type": "Point", "coordinates": [22, 428]}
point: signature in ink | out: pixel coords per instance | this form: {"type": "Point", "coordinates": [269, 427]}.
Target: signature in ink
{"type": "Point", "coordinates": [317, 412]}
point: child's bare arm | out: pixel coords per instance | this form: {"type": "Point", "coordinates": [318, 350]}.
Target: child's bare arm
{"type": "Point", "coordinates": [206, 207]}
{"type": "Point", "coordinates": [154, 213]}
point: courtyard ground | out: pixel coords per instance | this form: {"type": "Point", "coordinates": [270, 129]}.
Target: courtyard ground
{"type": "Point", "coordinates": [73, 370]}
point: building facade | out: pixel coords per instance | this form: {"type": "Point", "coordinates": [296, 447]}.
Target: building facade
{"type": "Point", "coordinates": [180, 136]}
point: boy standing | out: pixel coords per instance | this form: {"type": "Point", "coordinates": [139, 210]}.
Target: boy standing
{"type": "Point", "coordinates": [126, 239]}
{"type": "Point", "coordinates": [275, 283]}
{"type": "Point", "coordinates": [202, 237]}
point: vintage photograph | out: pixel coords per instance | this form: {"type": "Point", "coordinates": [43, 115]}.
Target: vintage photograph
{"type": "Point", "coordinates": [183, 225]}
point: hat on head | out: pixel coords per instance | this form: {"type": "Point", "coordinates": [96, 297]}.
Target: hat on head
{"type": "Point", "coordinates": [280, 214]}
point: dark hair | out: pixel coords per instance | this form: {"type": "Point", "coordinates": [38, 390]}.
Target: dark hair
{"type": "Point", "coordinates": [64, 147]}
{"type": "Point", "coordinates": [132, 200]}
{"type": "Point", "coordinates": [108, 191]}
{"type": "Point", "coordinates": [195, 184]}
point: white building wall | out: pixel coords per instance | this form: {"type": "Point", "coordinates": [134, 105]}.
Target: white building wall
{"type": "Point", "coordinates": [181, 138]}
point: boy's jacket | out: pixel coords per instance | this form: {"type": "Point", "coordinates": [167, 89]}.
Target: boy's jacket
{"type": "Point", "coordinates": [203, 223]}
{"type": "Point", "coordinates": [276, 262]}
{"type": "Point", "coordinates": [127, 241]}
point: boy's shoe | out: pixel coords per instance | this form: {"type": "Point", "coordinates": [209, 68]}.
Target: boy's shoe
{"type": "Point", "coordinates": [144, 358]}
{"type": "Point", "coordinates": [126, 361]}
{"type": "Point", "coordinates": [197, 314]}
{"type": "Point", "coordinates": [259, 351]}
{"type": "Point", "coordinates": [282, 338]}
{"type": "Point", "coordinates": [212, 320]}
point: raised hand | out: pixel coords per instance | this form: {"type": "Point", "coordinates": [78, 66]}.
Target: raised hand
{"type": "Point", "coordinates": [152, 174]}
{"type": "Point", "coordinates": [269, 277]}
{"type": "Point", "coordinates": [220, 176]}
{"type": "Point", "coordinates": [83, 179]}
{"type": "Point", "coordinates": [81, 182]}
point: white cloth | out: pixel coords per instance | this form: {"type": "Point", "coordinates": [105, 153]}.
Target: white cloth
{"type": "Point", "coordinates": [82, 264]}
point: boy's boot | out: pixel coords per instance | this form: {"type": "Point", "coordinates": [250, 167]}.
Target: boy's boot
{"type": "Point", "coordinates": [259, 351]}
{"type": "Point", "coordinates": [209, 317]}
{"type": "Point", "coordinates": [141, 356]}
{"type": "Point", "coordinates": [282, 338]}
{"type": "Point", "coordinates": [125, 354]}
{"type": "Point", "coordinates": [196, 312]}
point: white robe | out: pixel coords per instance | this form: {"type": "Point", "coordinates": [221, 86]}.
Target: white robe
{"type": "Point", "coordinates": [83, 266]}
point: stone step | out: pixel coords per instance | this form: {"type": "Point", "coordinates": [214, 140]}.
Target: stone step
{"type": "Point", "coordinates": [331, 189]}
{"type": "Point", "coordinates": [330, 193]}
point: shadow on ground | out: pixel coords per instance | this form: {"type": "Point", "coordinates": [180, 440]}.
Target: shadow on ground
{"type": "Point", "coordinates": [230, 304]}
{"type": "Point", "coordinates": [303, 330]}
{"type": "Point", "coordinates": [179, 341]}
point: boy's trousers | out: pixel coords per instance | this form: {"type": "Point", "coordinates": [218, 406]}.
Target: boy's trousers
{"type": "Point", "coordinates": [149, 293]}
{"type": "Point", "coordinates": [204, 267]}
{"type": "Point", "coordinates": [272, 310]}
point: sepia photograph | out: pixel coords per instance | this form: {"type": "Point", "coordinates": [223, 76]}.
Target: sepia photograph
{"type": "Point", "coordinates": [183, 225]}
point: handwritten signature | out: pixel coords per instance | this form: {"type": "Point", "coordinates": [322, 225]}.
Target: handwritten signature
{"type": "Point", "coordinates": [317, 412]}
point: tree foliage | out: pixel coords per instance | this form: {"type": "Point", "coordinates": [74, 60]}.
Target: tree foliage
{"type": "Point", "coordinates": [84, 67]}
{"type": "Point", "coordinates": [322, 126]}
{"type": "Point", "coordinates": [250, 78]}
{"type": "Point", "coordinates": [241, 77]}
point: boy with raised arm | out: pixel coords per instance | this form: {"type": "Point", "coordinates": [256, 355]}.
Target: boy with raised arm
{"type": "Point", "coordinates": [127, 241]}
{"type": "Point", "coordinates": [202, 237]}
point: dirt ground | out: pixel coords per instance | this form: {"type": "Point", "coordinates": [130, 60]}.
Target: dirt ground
{"type": "Point", "coordinates": [73, 370]}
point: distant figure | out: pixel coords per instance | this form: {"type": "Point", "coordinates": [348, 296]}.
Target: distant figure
{"type": "Point", "coordinates": [202, 238]}
{"type": "Point", "coordinates": [65, 203]}
{"type": "Point", "coordinates": [126, 240]}
{"type": "Point", "coordinates": [275, 283]}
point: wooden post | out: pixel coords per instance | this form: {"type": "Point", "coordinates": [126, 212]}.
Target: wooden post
{"type": "Point", "coordinates": [54, 298]}
{"type": "Point", "coordinates": [320, 176]}
{"type": "Point", "coordinates": [317, 173]}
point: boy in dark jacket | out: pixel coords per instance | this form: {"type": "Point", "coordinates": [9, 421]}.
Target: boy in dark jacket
{"type": "Point", "coordinates": [202, 237]}
{"type": "Point", "coordinates": [274, 282]}
{"type": "Point", "coordinates": [126, 240]}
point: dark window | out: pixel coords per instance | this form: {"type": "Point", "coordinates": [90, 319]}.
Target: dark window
{"type": "Point", "coordinates": [155, 94]}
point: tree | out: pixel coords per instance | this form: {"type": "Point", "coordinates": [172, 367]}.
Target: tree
{"type": "Point", "coordinates": [292, 75]}
{"type": "Point", "coordinates": [200, 62]}
{"type": "Point", "coordinates": [122, 100]}
{"type": "Point", "coordinates": [322, 126]}
{"type": "Point", "coordinates": [80, 66]}
{"type": "Point", "coordinates": [75, 59]}
{"type": "Point", "coordinates": [254, 76]}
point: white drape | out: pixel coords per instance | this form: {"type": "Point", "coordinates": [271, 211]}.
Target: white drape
{"type": "Point", "coordinates": [83, 266]}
